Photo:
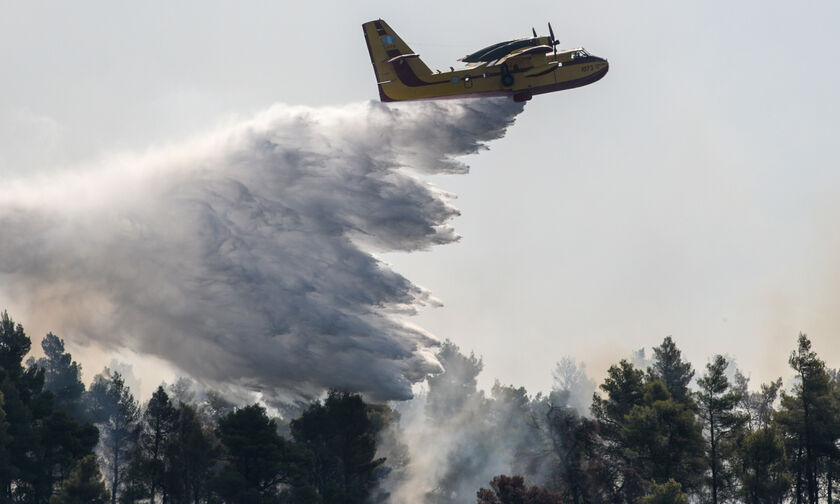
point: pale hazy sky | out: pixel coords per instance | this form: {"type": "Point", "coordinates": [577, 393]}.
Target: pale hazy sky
{"type": "Point", "coordinates": [692, 192]}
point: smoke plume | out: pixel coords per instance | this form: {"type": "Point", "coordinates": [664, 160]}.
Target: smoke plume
{"type": "Point", "coordinates": [245, 257]}
{"type": "Point", "coordinates": [458, 438]}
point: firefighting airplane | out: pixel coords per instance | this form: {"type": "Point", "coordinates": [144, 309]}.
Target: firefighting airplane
{"type": "Point", "coordinates": [519, 68]}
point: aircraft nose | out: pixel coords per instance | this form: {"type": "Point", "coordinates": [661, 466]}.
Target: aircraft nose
{"type": "Point", "coordinates": [606, 66]}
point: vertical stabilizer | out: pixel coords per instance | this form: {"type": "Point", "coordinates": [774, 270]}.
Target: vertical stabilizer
{"type": "Point", "coordinates": [394, 63]}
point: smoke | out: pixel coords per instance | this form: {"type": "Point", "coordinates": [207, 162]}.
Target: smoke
{"type": "Point", "coordinates": [570, 379]}
{"type": "Point", "coordinates": [457, 437]}
{"type": "Point", "coordinates": [245, 257]}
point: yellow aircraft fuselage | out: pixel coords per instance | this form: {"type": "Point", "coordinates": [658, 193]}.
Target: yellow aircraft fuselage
{"type": "Point", "coordinates": [531, 68]}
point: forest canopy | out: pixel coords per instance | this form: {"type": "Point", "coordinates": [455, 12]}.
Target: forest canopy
{"type": "Point", "coordinates": [654, 431]}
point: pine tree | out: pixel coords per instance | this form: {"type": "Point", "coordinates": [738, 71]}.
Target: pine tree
{"type": "Point", "coordinates": [570, 377]}
{"type": "Point", "coordinates": [63, 441]}
{"type": "Point", "coordinates": [513, 490]}
{"type": "Point", "coordinates": [83, 486]}
{"type": "Point", "coordinates": [190, 454]}
{"type": "Point", "coordinates": [40, 443]}
{"type": "Point", "coordinates": [574, 443]}
{"type": "Point", "coordinates": [6, 467]}
{"type": "Point", "coordinates": [453, 389]}
{"type": "Point", "coordinates": [258, 459]}
{"type": "Point", "coordinates": [717, 402]}
{"type": "Point", "coordinates": [116, 413]}
{"type": "Point", "coordinates": [669, 367]}
{"type": "Point", "coordinates": [669, 492]}
{"type": "Point", "coordinates": [156, 428]}
{"type": "Point", "coordinates": [14, 345]}
{"type": "Point", "coordinates": [665, 438]}
{"type": "Point", "coordinates": [811, 420]}
{"type": "Point", "coordinates": [455, 404]}
{"type": "Point", "coordinates": [624, 387]}
{"type": "Point", "coordinates": [762, 468]}
{"type": "Point", "coordinates": [62, 375]}
{"type": "Point", "coordinates": [342, 437]}
{"type": "Point", "coordinates": [758, 407]}
{"type": "Point", "coordinates": [625, 390]}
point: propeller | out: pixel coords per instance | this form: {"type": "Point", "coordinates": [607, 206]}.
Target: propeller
{"type": "Point", "coordinates": [534, 32]}
{"type": "Point", "coordinates": [553, 41]}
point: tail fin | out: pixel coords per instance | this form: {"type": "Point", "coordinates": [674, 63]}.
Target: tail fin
{"type": "Point", "coordinates": [386, 49]}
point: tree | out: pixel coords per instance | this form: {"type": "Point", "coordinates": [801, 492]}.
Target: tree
{"type": "Point", "coordinates": [21, 390]}
{"type": "Point", "coordinates": [624, 386]}
{"type": "Point", "coordinates": [762, 470]}
{"type": "Point", "coordinates": [717, 402]}
{"type": "Point", "coordinates": [40, 443]}
{"type": "Point", "coordinates": [5, 457]}
{"type": "Point", "coordinates": [669, 367]}
{"type": "Point", "coordinates": [811, 419]}
{"type": "Point", "coordinates": [83, 486]}
{"type": "Point", "coordinates": [391, 445]}
{"type": "Point", "coordinates": [757, 406]}
{"type": "Point", "coordinates": [190, 454]}
{"type": "Point", "coordinates": [62, 375]}
{"type": "Point", "coordinates": [512, 490]}
{"type": "Point", "coordinates": [510, 419]}
{"type": "Point", "coordinates": [669, 492]}
{"type": "Point", "coordinates": [570, 377]}
{"type": "Point", "coordinates": [459, 412]}
{"type": "Point", "coordinates": [63, 442]}
{"type": "Point", "coordinates": [259, 460]}
{"type": "Point", "coordinates": [156, 428]}
{"type": "Point", "coordinates": [664, 439]}
{"type": "Point", "coordinates": [456, 386]}
{"type": "Point", "coordinates": [625, 390]}
{"type": "Point", "coordinates": [115, 411]}
{"type": "Point", "coordinates": [575, 444]}
{"type": "Point", "coordinates": [214, 407]}
{"type": "Point", "coordinates": [14, 345]}
{"type": "Point", "coordinates": [342, 438]}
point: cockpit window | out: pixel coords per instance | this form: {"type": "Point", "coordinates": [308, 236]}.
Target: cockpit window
{"type": "Point", "coordinates": [580, 54]}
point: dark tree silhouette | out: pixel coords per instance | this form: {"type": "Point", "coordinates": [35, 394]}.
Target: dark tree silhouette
{"type": "Point", "coordinates": [116, 413]}
{"type": "Point", "coordinates": [512, 490]}
{"type": "Point", "coordinates": [762, 468]}
{"type": "Point", "coordinates": [450, 390]}
{"type": "Point", "coordinates": [757, 406]}
{"type": "Point", "coordinates": [665, 438]}
{"type": "Point", "coordinates": [39, 443]}
{"type": "Point", "coordinates": [190, 455]}
{"type": "Point", "coordinates": [62, 375]}
{"type": "Point", "coordinates": [624, 388]}
{"type": "Point", "coordinates": [669, 492]}
{"type": "Point", "coordinates": [580, 463]}
{"type": "Point", "coordinates": [157, 426]}
{"type": "Point", "coordinates": [810, 418]}
{"type": "Point", "coordinates": [621, 477]}
{"type": "Point", "coordinates": [716, 404]}
{"type": "Point", "coordinates": [259, 461]}
{"type": "Point", "coordinates": [83, 486]}
{"type": "Point", "coordinates": [341, 436]}
{"type": "Point", "coordinates": [651, 438]}
{"type": "Point", "coordinates": [669, 367]}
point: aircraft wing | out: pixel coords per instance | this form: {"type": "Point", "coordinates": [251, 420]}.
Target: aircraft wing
{"type": "Point", "coordinates": [511, 57]}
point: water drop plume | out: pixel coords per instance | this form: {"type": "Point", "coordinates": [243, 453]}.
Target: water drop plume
{"type": "Point", "coordinates": [245, 257]}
